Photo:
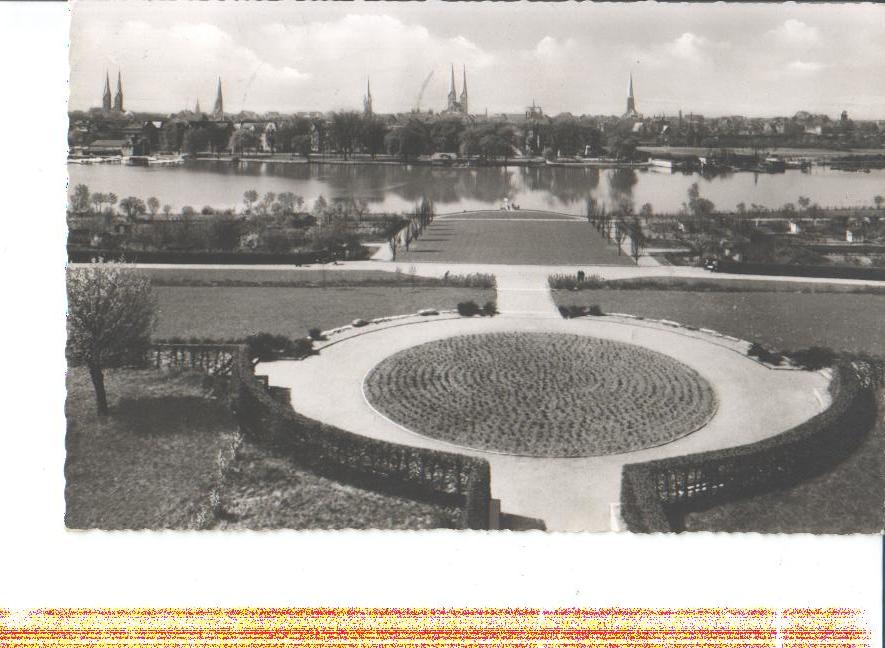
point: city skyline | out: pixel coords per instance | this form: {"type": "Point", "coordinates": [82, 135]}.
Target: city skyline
{"type": "Point", "coordinates": [752, 60]}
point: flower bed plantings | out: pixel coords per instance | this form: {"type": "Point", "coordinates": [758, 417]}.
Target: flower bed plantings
{"type": "Point", "coordinates": [540, 394]}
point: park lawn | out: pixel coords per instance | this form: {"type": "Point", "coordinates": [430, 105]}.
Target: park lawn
{"type": "Point", "coordinates": [522, 242]}
{"type": "Point", "coordinates": [778, 321]}
{"type": "Point", "coordinates": [262, 490]}
{"type": "Point", "coordinates": [235, 312]}
{"type": "Point", "coordinates": [847, 499]}
{"type": "Point", "coordinates": [154, 461]}
{"type": "Point", "coordinates": [299, 277]}
{"type": "Point", "coordinates": [737, 285]}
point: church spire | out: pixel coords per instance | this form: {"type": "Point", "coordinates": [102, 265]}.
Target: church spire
{"type": "Point", "coordinates": [631, 100]}
{"type": "Point", "coordinates": [106, 96]}
{"type": "Point", "coordinates": [197, 110]}
{"type": "Point", "coordinates": [218, 110]}
{"type": "Point", "coordinates": [367, 102]}
{"type": "Point", "coordinates": [464, 91]}
{"type": "Point", "coordinates": [118, 98]}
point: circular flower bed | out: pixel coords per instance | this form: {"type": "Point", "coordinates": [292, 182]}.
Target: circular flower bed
{"type": "Point", "coordinates": [541, 394]}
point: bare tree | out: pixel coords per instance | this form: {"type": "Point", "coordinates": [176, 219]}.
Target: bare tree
{"type": "Point", "coordinates": [111, 313]}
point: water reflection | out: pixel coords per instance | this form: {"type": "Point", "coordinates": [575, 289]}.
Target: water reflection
{"type": "Point", "coordinates": [398, 188]}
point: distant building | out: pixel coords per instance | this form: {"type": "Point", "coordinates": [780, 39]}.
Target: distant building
{"type": "Point", "coordinates": [631, 112]}
{"type": "Point", "coordinates": [106, 96]}
{"type": "Point", "coordinates": [455, 104]}
{"type": "Point", "coordinates": [118, 97]}
{"type": "Point", "coordinates": [218, 110]}
{"type": "Point", "coordinates": [367, 100]}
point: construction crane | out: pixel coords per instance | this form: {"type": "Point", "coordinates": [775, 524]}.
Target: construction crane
{"type": "Point", "coordinates": [421, 92]}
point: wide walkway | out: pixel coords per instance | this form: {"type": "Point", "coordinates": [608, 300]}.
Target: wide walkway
{"type": "Point", "coordinates": [568, 494]}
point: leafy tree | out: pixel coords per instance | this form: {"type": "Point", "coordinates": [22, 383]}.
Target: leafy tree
{"type": "Point", "coordinates": [111, 313]}
{"type": "Point", "coordinates": [619, 233]}
{"type": "Point", "coordinates": [167, 209]}
{"type": "Point", "coordinates": [741, 208]}
{"type": "Point", "coordinates": [804, 202]}
{"type": "Point", "coordinates": [445, 134]}
{"type": "Point", "coordinates": [409, 141]}
{"type": "Point", "coordinates": [153, 205]}
{"type": "Point", "coordinates": [646, 212]}
{"type": "Point", "coordinates": [250, 197]}
{"type": "Point", "coordinates": [637, 239]}
{"type": "Point", "coordinates": [244, 140]}
{"type": "Point", "coordinates": [196, 140]}
{"type": "Point", "coordinates": [346, 129]}
{"type": "Point", "coordinates": [132, 207]}
{"type": "Point", "coordinates": [372, 135]}
{"type": "Point", "coordinates": [98, 199]}
{"type": "Point", "coordinates": [879, 200]}
{"type": "Point", "coordinates": [207, 210]}
{"type": "Point", "coordinates": [80, 199]}
{"type": "Point", "coordinates": [111, 199]}
{"type": "Point", "coordinates": [289, 202]}
{"type": "Point", "coordinates": [266, 201]}
{"type": "Point", "coordinates": [187, 211]}
{"type": "Point", "coordinates": [293, 136]}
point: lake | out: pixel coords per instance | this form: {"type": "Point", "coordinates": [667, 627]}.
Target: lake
{"type": "Point", "coordinates": [399, 188]}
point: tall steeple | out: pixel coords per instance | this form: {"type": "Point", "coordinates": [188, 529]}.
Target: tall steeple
{"type": "Point", "coordinates": [106, 97]}
{"type": "Point", "coordinates": [464, 92]}
{"type": "Point", "coordinates": [197, 110]}
{"type": "Point", "coordinates": [631, 100]}
{"type": "Point", "coordinates": [218, 110]}
{"type": "Point", "coordinates": [118, 98]}
{"type": "Point", "coordinates": [367, 101]}
{"type": "Point", "coordinates": [453, 95]}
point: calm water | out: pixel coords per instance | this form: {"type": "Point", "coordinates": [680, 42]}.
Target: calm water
{"type": "Point", "coordinates": [397, 188]}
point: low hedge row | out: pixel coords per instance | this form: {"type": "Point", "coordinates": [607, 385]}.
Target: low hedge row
{"type": "Point", "coordinates": [429, 475]}
{"type": "Point", "coordinates": [831, 272]}
{"type": "Point", "coordinates": [86, 255]}
{"type": "Point", "coordinates": [655, 494]}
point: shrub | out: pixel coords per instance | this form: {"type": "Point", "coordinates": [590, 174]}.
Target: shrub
{"type": "Point", "coordinates": [316, 334]}
{"type": "Point", "coordinates": [764, 355]}
{"type": "Point", "coordinates": [473, 280]}
{"type": "Point", "coordinates": [813, 358]}
{"type": "Point", "coordinates": [489, 309]}
{"type": "Point", "coordinates": [570, 282]}
{"type": "Point", "coordinates": [655, 494]}
{"type": "Point", "coordinates": [266, 347]}
{"type": "Point", "coordinates": [574, 310]}
{"type": "Point", "coordinates": [468, 308]}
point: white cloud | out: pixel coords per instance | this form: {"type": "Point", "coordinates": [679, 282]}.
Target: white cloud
{"type": "Point", "coordinates": [805, 67]}
{"type": "Point", "coordinates": [796, 32]}
{"type": "Point", "coordinates": [689, 47]}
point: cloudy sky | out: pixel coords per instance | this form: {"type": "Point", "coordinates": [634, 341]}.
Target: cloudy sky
{"type": "Point", "coordinates": [715, 59]}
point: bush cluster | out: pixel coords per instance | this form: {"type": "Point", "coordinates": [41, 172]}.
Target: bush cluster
{"type": "Point", "coordinates": [471, 308]}
{"type": "Point", "coordinates": [574, 310]}
{"type": "Point", "coordinates": [655, 494]}
{"type": "Point", "coordinates": [429, 475]}
{"type": "Point", "coordinates": [564, 281]}
{"type": "Point", "coordinates": [833, 272]}
{"type": "Point", "coordinates": [86, 255]}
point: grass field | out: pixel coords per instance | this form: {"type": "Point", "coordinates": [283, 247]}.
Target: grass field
{"type": "Point", "coordinates": [154, 461]}
{"type": "Point", "coordinates": [265, 491]}
{"type": "Point", "coordinates": [541, 394]}
{"type": "Point", "coordinates": [731, 285]}
{"type": "Point", "coordinates": [512, 242]}
{"type": "Point", "coordinates": [232, 312]}
{"type": "Point", "coordinates": [847, 499]}
{"type": "Point", "coordinates": [319, 277]}
{"type": "Point", "coordinates": [778, 321]}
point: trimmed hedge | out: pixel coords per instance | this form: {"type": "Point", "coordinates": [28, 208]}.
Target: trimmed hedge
{"type": "Point", "coordinates": [830, 272]}
{"type": "Point", "coordinates": [442, 478]}
{"type": "Point", "coordinates": [655, 494]}
{"type": "Point", "coordinates": [86, 255]}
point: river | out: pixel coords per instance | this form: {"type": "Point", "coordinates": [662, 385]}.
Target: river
{"type": "Point", "coordinates": [398, 188]}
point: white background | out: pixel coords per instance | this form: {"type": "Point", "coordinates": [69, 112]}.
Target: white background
{"type": "Point", "coordinates": [45, 565]}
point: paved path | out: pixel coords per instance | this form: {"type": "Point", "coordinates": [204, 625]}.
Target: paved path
{"type": "Point", "coordinates": [754, 402]}
{"type": "Point", "coordinates": [524, 294]}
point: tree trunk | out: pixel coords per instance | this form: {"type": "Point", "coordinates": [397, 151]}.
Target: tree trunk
{"type": "Point", "coordinates": [101, 397]}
